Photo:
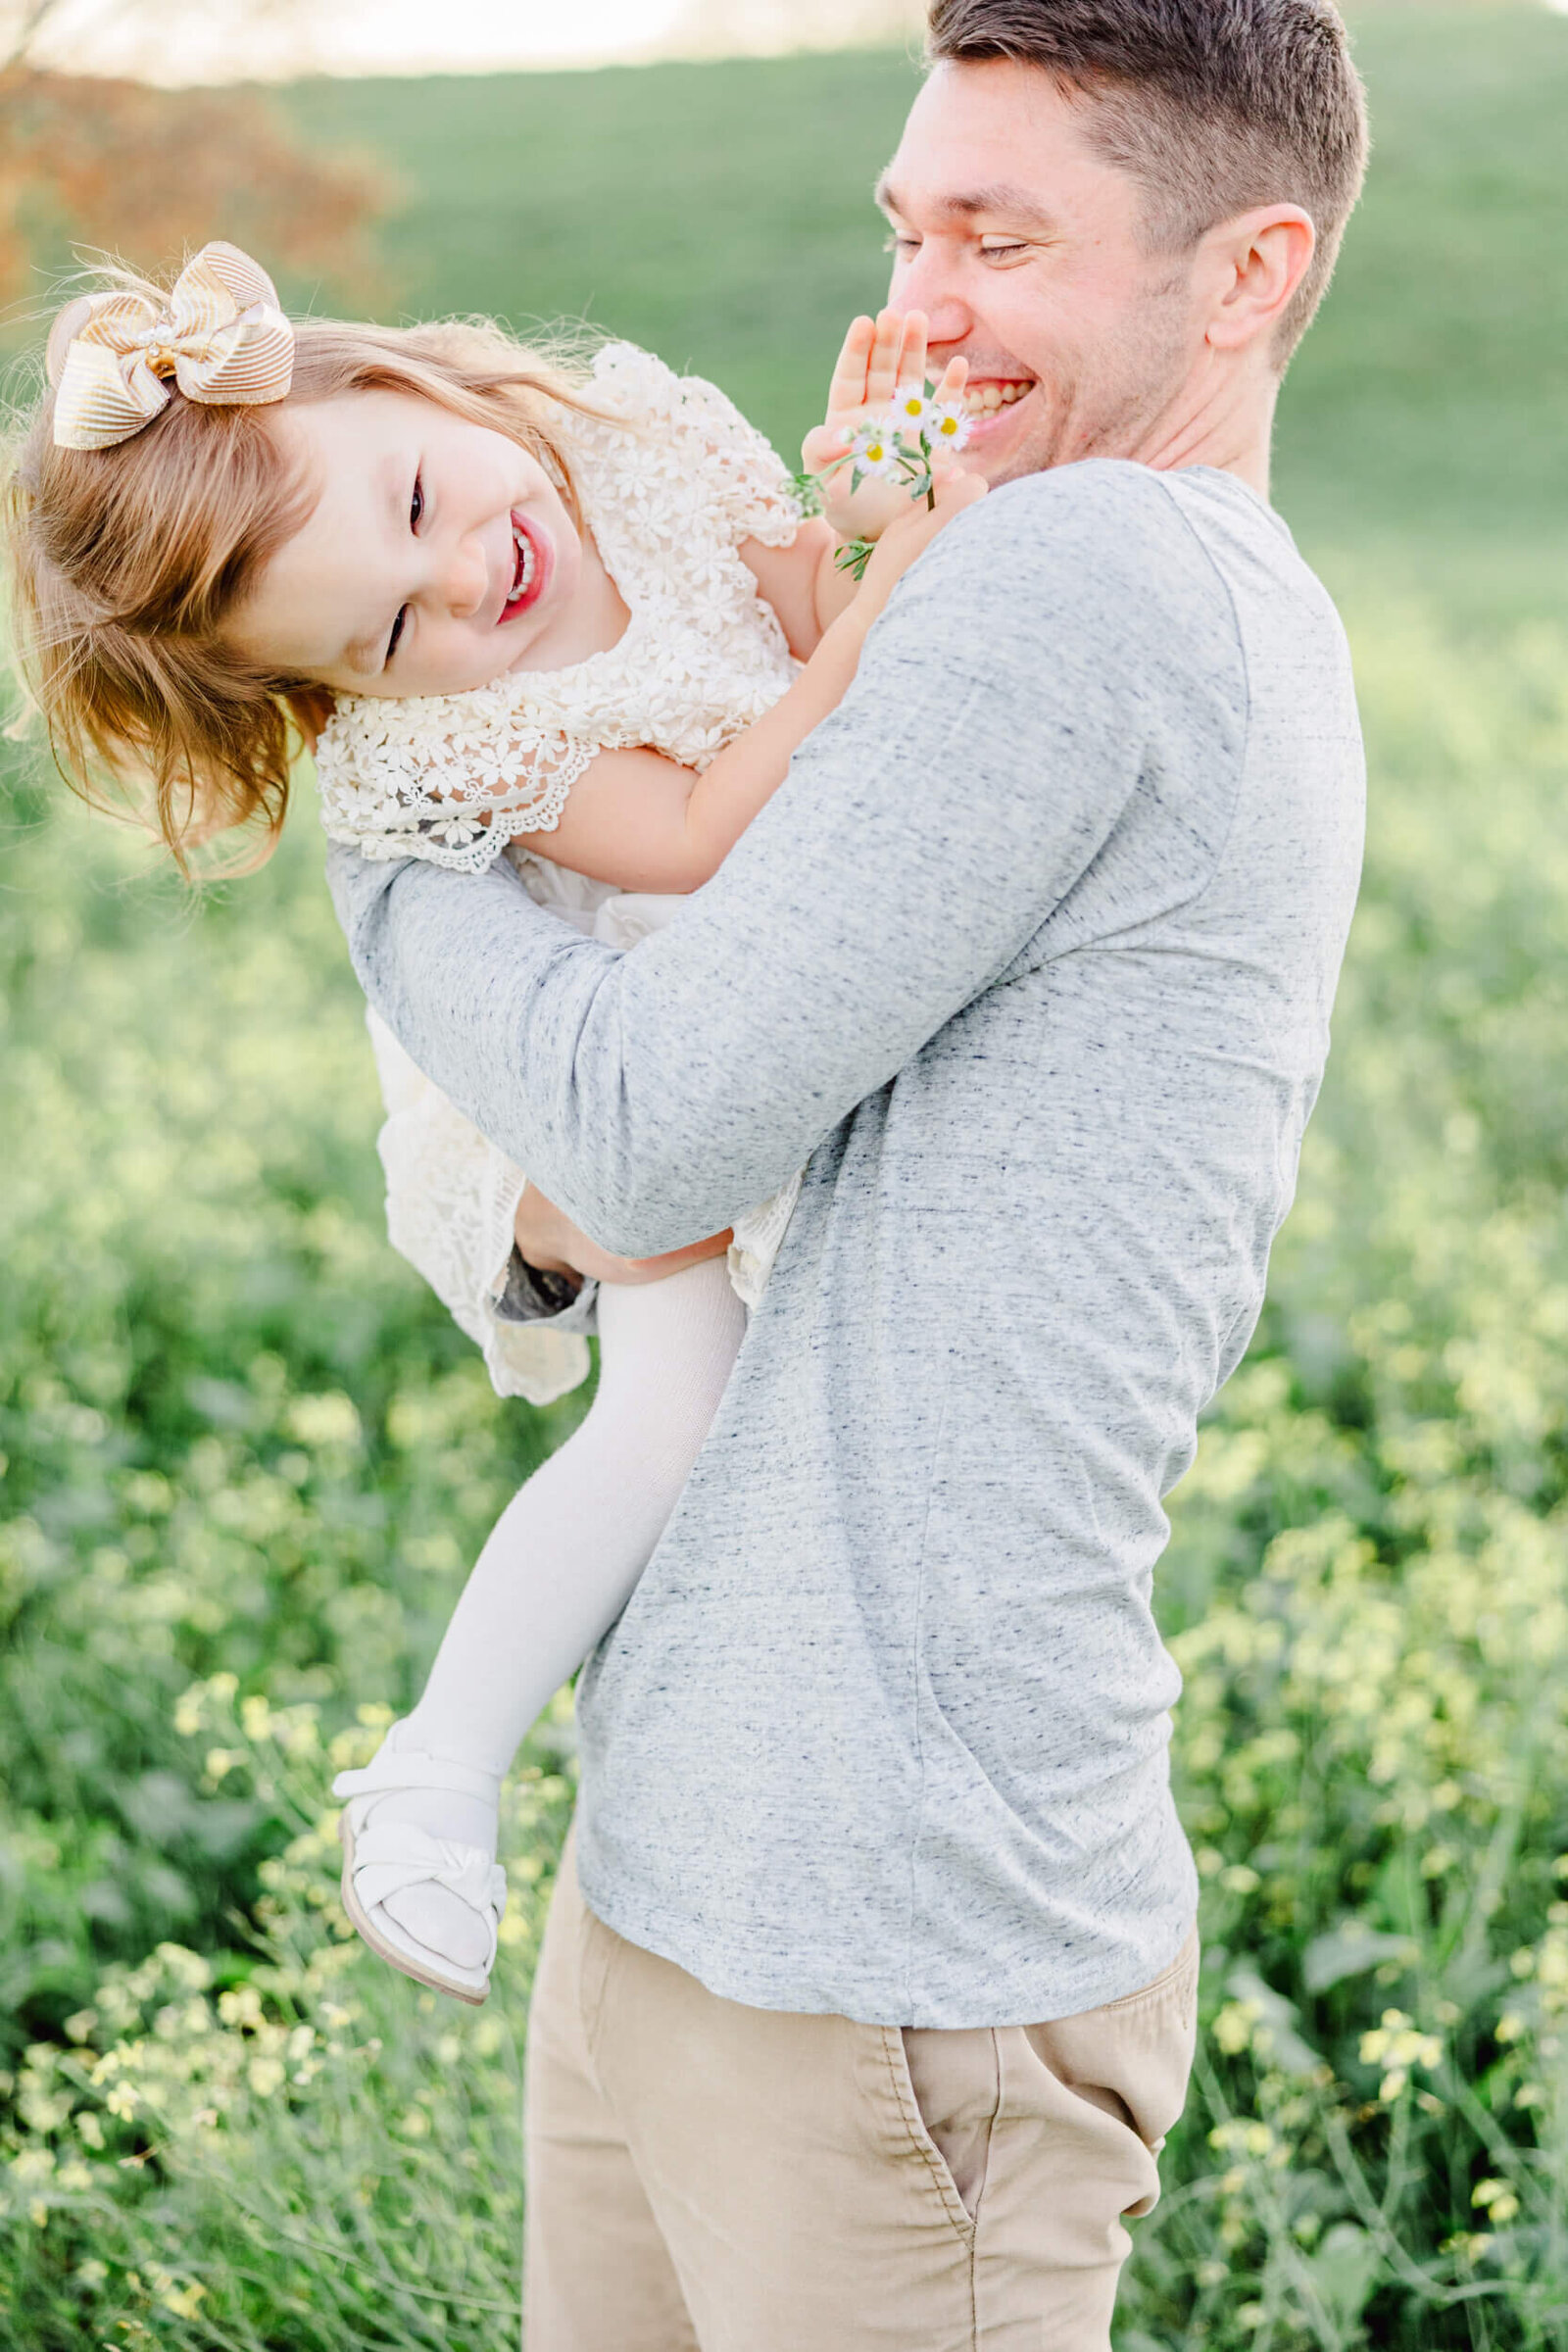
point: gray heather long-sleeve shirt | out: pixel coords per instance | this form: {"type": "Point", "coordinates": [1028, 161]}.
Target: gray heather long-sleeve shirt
{"type": "Point", "coordinates": [1031, 960]}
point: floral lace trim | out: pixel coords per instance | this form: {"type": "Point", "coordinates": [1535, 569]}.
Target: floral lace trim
{"type": "Point", "coordinates": [388, 792]}
{"type": "Point", "coordinates": [759, 1237]}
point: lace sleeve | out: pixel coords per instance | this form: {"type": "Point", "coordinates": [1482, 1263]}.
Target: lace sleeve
{"type": "Point", "coordinates": [742, 480]}
{"type": "Point", "coordinates": [448, 778]}
{"type": "Point", "coordinates": [451, 1197]}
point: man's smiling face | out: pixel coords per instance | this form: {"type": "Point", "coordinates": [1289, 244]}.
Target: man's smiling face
{"type": "Point", "coordinates": [1025, 249]}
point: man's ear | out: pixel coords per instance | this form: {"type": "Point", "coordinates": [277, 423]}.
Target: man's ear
{"type": "Point", "coordinates": [1258, 261]}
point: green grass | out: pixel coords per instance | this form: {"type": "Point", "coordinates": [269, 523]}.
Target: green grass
{"type": "Point", "coordinates": [241, 1441]}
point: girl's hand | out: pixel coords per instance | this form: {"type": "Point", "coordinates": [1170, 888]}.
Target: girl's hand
{"type": "Point", "coordinates": [909, 537]}
{"type": "Point", "coordinates": [882, 358]}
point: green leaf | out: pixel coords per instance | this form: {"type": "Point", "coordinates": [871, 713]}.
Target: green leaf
{"type": "Point", "coordinates": [807, 490]}
{"type": "Point", "coordinates": [1350, 1950]}
{"type": "Point", "coordinates": [853, 557]}
{"type": "Point", "coordinates": [1344, 2270]}
{"type": "Point", "coordinates": [1277, 2018]}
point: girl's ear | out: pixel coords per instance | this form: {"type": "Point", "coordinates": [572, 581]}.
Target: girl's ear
{"type": "Point", "coordinates": [69, 324]}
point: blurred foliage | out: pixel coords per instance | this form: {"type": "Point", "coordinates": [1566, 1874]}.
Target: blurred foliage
{"type": "Point", "coordinates": [248, 1459]}
{"type": "Point", "coordinates": [147, 173]}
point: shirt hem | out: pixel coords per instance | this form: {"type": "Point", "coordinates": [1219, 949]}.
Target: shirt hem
{"type": "Point", "coordinates": [797, 1985]}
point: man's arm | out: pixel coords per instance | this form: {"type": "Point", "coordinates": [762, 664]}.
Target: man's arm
{"type": "Point", "coordinates": [1007, 705]}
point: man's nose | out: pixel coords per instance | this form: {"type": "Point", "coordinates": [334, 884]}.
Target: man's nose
{"type": "Point", "coordinates": [465, 578]}
{"type": "Point", "coordinates": [925, 282]}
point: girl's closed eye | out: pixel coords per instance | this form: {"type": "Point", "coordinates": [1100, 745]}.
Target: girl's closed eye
{"type": "Point", "coordinates": [415, 518]}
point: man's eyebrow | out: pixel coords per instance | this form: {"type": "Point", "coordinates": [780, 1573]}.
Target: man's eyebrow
{"type": "Point", "coordinates": [1000, 196]}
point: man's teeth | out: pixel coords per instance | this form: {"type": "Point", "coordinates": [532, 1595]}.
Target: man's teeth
{"type": "Point", "coordinates": [983, 400]}
{"type": "Point", "coordinates": [527, 563]}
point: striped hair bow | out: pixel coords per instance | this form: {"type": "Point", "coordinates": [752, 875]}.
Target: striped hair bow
{"type": "Point", "coordinates": [220, 335]}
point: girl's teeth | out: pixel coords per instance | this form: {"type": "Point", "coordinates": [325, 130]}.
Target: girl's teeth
{"type": "Point", "coordinates": [527, 563]}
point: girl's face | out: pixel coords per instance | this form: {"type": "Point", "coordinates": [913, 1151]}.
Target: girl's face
{"type": "Point", "coordinates": [438, 554]}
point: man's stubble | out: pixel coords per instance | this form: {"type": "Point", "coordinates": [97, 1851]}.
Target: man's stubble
{"type": "Point", "coordinates": [1111, 401]}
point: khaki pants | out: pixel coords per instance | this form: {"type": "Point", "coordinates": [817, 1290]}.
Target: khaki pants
{"type": "Point", "coordinates": [706, 2178]}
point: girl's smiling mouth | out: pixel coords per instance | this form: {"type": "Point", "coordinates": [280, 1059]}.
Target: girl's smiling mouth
{"type": "Point", "coordinates": [532, 569]}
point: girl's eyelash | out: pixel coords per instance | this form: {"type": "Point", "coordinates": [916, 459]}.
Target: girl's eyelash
{"type": "Point", "coordinates": [415, 518]}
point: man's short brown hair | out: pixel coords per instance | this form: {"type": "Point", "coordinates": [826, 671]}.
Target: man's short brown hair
{"type": "Point", "coordinates": [1216, 106]}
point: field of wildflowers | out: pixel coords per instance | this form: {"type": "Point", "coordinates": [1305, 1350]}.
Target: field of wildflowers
{"type": "Point", "coordinates": [246, 1461]}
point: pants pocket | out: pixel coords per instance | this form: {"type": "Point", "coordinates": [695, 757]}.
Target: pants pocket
{"type": "Point", "coordinates": [1132, 2056]}
{"type": "Point", "coordinates": [950, 2082]}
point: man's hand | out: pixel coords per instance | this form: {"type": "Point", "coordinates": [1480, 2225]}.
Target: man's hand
{"type": "Point", "coordinates": [882, 359]}
{"type": "Point", "coordinates": [547, 1239]}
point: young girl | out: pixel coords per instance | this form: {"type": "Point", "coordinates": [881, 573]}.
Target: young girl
{"type": "Point", "coordinates": [571, 617]}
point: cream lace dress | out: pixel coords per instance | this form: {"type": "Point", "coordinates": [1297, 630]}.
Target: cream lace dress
{"type": "Point", "coordinates": [668, 495]}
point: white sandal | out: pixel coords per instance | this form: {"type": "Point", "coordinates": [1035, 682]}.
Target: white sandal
{"type": "Point", "coordinates": [382, 1858]}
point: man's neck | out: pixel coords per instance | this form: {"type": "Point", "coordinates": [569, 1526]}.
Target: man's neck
{"type": "Point", "coordinates": [1229, 425]}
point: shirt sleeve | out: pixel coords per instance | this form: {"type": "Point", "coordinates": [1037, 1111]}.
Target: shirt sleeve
{"type": "Point", "coordinates": [1045, 660]}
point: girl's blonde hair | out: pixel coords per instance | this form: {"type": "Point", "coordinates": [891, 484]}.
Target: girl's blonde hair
{"type": "Point", "coordinates": [127, 564]}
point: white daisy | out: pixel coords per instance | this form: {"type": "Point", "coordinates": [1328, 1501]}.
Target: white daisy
{"type": "Point", "coordinates": [874, 450]}
{"type": "Point", "coordinates": [948, 428]}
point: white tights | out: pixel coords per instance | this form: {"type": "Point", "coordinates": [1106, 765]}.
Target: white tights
{"type": "Point", "coordinates": [562, 1562]}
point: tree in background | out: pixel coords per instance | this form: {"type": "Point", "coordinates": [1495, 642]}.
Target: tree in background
{"type": "Point", "coordinates": [125, 166]}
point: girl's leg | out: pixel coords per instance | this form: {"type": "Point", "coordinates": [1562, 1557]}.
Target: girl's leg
{"type": "Point", "coordinates": [561, 1564]}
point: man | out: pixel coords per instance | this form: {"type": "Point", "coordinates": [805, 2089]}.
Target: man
{"type": "Point", "coordinates": [878, 1994]}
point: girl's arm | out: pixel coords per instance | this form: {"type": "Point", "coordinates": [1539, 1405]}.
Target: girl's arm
{"type": "Point", "coordinates": [801, 582]}
{"type": "Point", "coordinates": [645, 822]}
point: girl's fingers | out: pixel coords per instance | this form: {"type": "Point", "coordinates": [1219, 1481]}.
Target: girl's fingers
{"type": "Point", "coordinates": [955, 377]}
{"type": "Point", "coordinates": [882, 372]}
{"type": "Point", "coordinates": [912, 351]}
{"type": "Point", "coordinates": [883, 356]}
{"type": "Point", "coordinates": [848, 387]}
